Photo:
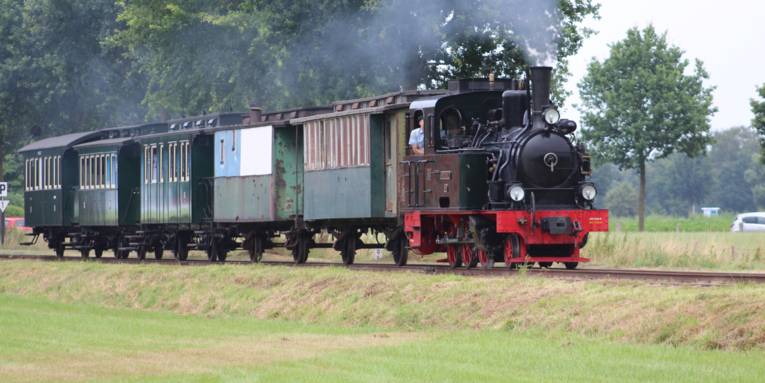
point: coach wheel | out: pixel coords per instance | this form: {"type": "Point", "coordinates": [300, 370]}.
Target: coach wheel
{"type": "Point", "coordinates": [59, 249]}
{"type": "Point", "coordinates": [98, 251]}
{"type": "Point", "coordinates": [300, 251]}
{"type": "Point", "coordinates": [212, 251]}
{"type": "Point", "coordinates": [84, 253]}
{"type": "Point", "coordinates": [181, 250]}
{"type": "Point", "coordinates": [485, 258]}
{"type": "Point", "coordinates": [158, 250]}
{"type": "Point", "coordinates": [453, 256]}
{"type": "Point", "coordinates": [469, 256]}
{"type": "Point", "coordinates": [348, 253]}
{"type": "Point", "coordinates": [141, 252]}
{"type": "Point", "coordinates": [571, 265]}
{"type": "Point", "coordinates": [256, 250]}
{"type": "Point", "coordinates": [400, 251]}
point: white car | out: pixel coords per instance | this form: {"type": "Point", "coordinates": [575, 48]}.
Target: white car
{"type": "Point", "coordinates": [748, 222]}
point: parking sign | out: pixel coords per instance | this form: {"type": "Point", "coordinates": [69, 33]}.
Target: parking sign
{"type": "Point", "coordinates": [3, 189]}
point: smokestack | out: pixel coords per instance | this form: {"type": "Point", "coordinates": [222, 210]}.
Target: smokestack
{"type": "Point", "coordinates": [540, 86]}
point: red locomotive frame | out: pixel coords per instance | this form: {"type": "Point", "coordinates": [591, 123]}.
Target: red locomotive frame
{"type": "Point", "coordinates": [423, 226]}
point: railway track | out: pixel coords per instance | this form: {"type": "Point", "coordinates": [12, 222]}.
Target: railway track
{"type": "Point", "coordinates": [692, 277]}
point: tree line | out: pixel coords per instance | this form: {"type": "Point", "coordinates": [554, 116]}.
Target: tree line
{"type": "Point", "coordinates": [86, 64]}
{"type": "Point", "coordinates": [728, 175]}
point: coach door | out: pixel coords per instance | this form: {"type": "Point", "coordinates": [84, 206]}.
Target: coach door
{"type": "Point", "coordinates": [393, 133]}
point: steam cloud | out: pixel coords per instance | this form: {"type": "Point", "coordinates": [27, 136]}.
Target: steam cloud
{"type": "Point", "coordinates": [424, 26]}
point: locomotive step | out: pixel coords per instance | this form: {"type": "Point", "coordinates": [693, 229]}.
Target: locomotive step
{"type": "Point", "coordinates": [26, 243]}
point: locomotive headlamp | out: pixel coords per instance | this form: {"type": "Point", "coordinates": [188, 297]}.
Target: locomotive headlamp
{"type": "Point", "coordinates": [516, 193]}
{"type": "Point", "coordinates": [588, 191]}
{"type": "Point", "coordinates": [551, 116]}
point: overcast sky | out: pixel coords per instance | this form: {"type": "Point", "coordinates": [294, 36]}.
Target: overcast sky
{"type": "Point", "coordinates": [728, 36]}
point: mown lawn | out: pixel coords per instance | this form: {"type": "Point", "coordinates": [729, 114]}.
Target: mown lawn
{"type": "Point", "coordinates": [44, 341]}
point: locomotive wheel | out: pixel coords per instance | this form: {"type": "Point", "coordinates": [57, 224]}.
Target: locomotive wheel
{"type": "Point", "coordinates": [571, 265]}
{"type": "Point", "coordinates": [512, 250]}
{"type": "Point", "coordinates": [453, 256]}
{"type": "Point", "coordinates": [158, 250]}
{"type": "Point", "coordinates": [485, 258]}
{"type": "Point", "coordinates": [84, 253]}
{"type": "Point", "coordinates": [469, 256]}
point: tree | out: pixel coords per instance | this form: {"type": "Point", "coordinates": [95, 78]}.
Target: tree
{"type": "Point", "coordinates": [639, 105]}
{"type": "Point", "coordinates": [731, 157]}
{"type": "Point", "coordinates": [621, 199]}
{"type": "Point", "coordinates": [680, 183]}
{"type": "Point", "coordinates": [212, 55]}
{"type": "Point", "coordinates": [55, 76]}
{"type": "Point", "coordinates": [758, 123]}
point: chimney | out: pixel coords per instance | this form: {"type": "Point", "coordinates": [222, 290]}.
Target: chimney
{"type": "Point", "coordinates": [255, 114]}
{"type": "Point", "coordinates": [540, 87]}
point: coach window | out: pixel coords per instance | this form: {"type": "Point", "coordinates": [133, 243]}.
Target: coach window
{"type": "Point", "coordinates": [53, 173]}
{"type": "Point", "coordinates": [114, 171]}
{"type": "Point", "coordinates": [161, 163]}
{"type": "Point", "coordinates": [154, 164]}
{"type": "Point", "coordinates": [91, 172]}
{"type": "Point", "coordinates": [58, 172]}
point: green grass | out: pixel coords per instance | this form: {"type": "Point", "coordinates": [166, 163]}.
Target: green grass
{"type": "Point", "coordinates": [687, 250]}
{"type": "Point", "coordinates": [722, 317]}
{"type": "Point", "coordinates": [696, 223]}
{"type": "Point", "coordinates": [46, 341]}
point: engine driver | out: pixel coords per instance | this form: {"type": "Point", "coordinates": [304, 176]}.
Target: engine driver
{"type": "Point", "coordinates": [417, 137]}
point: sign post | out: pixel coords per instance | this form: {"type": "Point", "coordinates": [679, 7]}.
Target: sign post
{"type": "Point", "coordinates": [3, 205]}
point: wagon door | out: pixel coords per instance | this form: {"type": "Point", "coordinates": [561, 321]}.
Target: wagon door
{"type": "Point", "coordinates": [391, 142]}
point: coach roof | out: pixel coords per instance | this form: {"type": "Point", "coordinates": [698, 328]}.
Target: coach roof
{"type": "Point", "coordinates": [64, 141]}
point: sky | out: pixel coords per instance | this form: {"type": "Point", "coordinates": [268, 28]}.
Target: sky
{"type": "Point", "coordinates": [727, 36]}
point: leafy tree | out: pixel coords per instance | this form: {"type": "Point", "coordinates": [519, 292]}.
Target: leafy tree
{"type": "Point", "coordinates": [213, 55]}
{"type": "Point", "coordinates": [55, 76]}
{"type": "Point", "coordinates": [758, 123]}
{"type": "Point", "coordinates": [732, 154]}
{"type": "Point", "coordinates": [621, 199]}
{"type": "Point", "coordinates": [680, 184]}
{"type": "Point", "coordinates": [639, 105]}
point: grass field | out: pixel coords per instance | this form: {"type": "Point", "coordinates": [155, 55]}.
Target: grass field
{"type": "Point", "coordinates": [687, 250]}
{"type": "Point", "coordinates": [43, 341]}
{"type": "Point", "coordinates": [696, 223]}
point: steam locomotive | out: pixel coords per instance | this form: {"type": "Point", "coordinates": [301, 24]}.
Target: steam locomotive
{"type": "Point", "coordinates": [499, 180]}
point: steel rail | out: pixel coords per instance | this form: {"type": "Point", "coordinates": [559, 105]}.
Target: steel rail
{"type": "Point", "coordinates": [697, 277]}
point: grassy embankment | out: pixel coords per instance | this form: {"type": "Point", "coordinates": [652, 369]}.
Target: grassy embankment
{"type": "Point", "coordinates": [44, 341]}
{"type": "Point", "coordinates": [86, 321]}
